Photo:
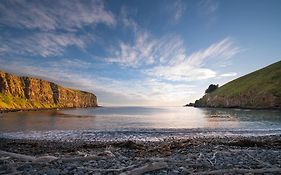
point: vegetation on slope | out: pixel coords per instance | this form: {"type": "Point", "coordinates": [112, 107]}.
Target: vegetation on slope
{"type": "Point", "coordinates": [260, 89]}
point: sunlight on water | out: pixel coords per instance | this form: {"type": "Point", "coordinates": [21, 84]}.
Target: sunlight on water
{"type": "Point", "coordinates": [138, 123]}
{"type": "Point", "coordinates": [112, 118]}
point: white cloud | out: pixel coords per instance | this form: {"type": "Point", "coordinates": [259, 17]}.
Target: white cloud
{"type": "Point", "coordinates": [224, 49]}
{"type": "Point", "coordinates": [43, 44]}
{"type": "Point", "coordinates": [52, 15]}
{"type": "Point", "coordinates": [49, 27]}
{"type": "Point", "coordinates": [192, 67]}
{"type": "Point", "coordinates": [168, 58]}
{"type": "Point", "coordinates": [147, 50]}
{"type": "Point", "coordinates": [133, 55]}
{"type": "Point", "coordinates": [165, 93]}
{"type": "Point", "coordinates": [230, 74]}
{"type": "Point", "coordinates": [181, 72]}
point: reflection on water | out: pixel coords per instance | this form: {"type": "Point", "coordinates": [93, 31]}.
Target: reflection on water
{"type": "Point", "coordinates": [140, 117]}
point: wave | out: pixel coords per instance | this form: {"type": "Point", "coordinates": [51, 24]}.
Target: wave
{"type": "Point", "coordinates": [93, 135]}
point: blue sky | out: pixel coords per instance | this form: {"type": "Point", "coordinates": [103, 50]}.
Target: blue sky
{"type": "Point", "coordinates": [150, 53]}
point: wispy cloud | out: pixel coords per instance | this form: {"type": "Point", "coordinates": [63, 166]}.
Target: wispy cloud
{"type": "Point", "coordinates": [182, 72]}
{"type": "Point", "coordinates": [147, 50]}
{"type": "Point", "coordinates": [168, 58]}
{"type": "Point", "coordinates": [192, 67]}
{"type": "Point", "coordinates": [230, 74]}
{"type": "Point", "coordinates": [42, 44]}
{"type": "Point", "coordinates": [136, 53]}
{"type": "Point", "coordinates": [52, 15]}
{"type": "Point", "coordinates": [47, 28]}
{"type": "Point", "coordinates": [224, 49]}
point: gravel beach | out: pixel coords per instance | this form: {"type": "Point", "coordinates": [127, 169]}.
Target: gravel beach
{"type": "Point", "coordinates": [204, 155]}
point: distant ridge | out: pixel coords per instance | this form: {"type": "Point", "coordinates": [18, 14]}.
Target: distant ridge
{"type": "Point", "coordinates": [259, 89]}
{"type": "Point", "coordinates": [26, 93]}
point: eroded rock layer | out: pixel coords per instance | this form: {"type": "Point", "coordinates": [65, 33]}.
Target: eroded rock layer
{"type": "Point", "coordinates": [30, 93]}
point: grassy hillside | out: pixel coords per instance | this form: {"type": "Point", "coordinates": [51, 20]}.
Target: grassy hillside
{"type": "Point", "coordinates": [258, 89]}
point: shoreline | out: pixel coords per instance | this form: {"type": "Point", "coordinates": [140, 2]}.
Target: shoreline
{"type": "Point", "coordinates": [249, 108]}
{"type": "Point", "coordinates": [46, 109]}
{"type": "Point", "coordinates": [42, 109]}
{"type": "Point", "coordinates": [209, 155]}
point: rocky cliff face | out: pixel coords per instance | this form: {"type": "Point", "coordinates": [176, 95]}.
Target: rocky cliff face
{"type": "Point", "coordinates": [240, 101]}
{"type": "Point", "coordinates": [28, 93]}
{"type": "Point", "coordinates": [259, 89]}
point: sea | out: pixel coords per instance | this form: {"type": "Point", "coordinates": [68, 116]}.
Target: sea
{"type": "Point", "coordinates": [138, 123]}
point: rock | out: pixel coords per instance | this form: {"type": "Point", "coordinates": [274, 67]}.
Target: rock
{"type": "Point", "coordinates": [32, 93]}
{"type": "Point", "coordinates": [184, 170]}
{"type": "Point", "coordinates": [45, 159]}
{"type": "Point", "coordinates": [106, 154]}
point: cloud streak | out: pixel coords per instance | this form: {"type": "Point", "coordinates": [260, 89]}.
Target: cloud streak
{"type": "Point", "coordinates": [230, 74]}
{"type": "Point", "coordinates": [135, 54]}
{"type": "Point", "coordinates": [42, 44]}
{"type": "Point", "coordinates": [224, 49]}
{"type": "Point", "coordinates": [53, 15]}
{"type": "Point", "coordinates": [146, 50]}
{"type": "Point", "coordinates": [191, 68]}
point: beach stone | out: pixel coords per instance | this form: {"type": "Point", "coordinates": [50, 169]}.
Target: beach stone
{"type": "Point", "coordinates": [183, 169]}
{"type": "Point", "coordinates": [53, 172]}
{"type": "Point", "coordinates": [107, 154]}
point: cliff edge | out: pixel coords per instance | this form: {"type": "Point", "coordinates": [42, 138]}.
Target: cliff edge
{"type": "Point", "coordinates": [259, 89]}
{"type": "Point", "coordinates": [21, 93]}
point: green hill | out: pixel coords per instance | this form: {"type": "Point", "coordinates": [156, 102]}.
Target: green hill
{"type": "Point", "coordinates": [259, 89]}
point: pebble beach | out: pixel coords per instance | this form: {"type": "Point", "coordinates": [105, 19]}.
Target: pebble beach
{"type": "Point", "coordinates": [197, 155]}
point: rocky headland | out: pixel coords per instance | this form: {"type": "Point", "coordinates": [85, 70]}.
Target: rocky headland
{"type": "Point", "coordinates": [259, 90]}
{"type": "Point", "coordinates": [27, 93]}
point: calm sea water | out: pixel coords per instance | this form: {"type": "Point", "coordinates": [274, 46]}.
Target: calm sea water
{"type": "Point", "coordinates": [138, 122]}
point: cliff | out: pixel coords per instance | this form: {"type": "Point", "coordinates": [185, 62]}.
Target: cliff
{"type": "Point", "coordinates": [259, 89]}
{"type": "Point", "coordinates": [32, 93]}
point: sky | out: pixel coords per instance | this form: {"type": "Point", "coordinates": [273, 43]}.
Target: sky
{"type": "Point", "coordinates": [139, 52]}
